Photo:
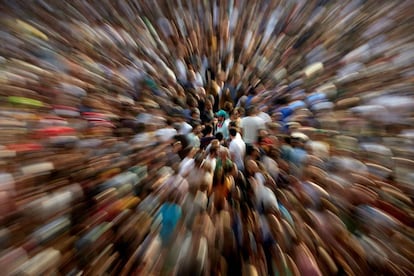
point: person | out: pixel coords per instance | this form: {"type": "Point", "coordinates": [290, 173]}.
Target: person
{"type": "Point", "coordinates": [264, 198]}
{"type": "Point", "coordinates": [222, 124]}
{"type": "Point", "coordinates": [195, 174]}
{"type": "Point", "coordinates": [222, 185]}
{"type": "Point", "coordinates": [166, 133]}
{"type": "Point", "coordinates": [250, 126]}
{"type": "Point", "coordinates": [195, 117]}
{"type": "Point", "coordinates": [170, 214]}
{"type": "Point", "coordinates": [207, 115]}
{"type": "Point", "coordinates": [237, 148]}
{"type": "Point", "coordinates": [269, 164]}
{"type": "Point", "coordinates": [184, 128]}
{"type": "Point", "coordinates": [235, 117]}
{"type": "Point", "coordinates": [187, 163]}
{"type": "Point", "coordinates": [212, 154]}
{"type": "Point", "coordinates": [194, 136]}
{"type": "Point", "coordinates": [176, 182]}
{"type": "Point", "coordinates": [172, 155]}
{"type": "Point", "coordinates": [207, 136]}
{"type": "Point", "coordinates": [298, 154]}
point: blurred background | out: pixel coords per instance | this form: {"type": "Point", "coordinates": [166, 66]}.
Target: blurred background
{"type": "Point", "coordinates": [108, 108]}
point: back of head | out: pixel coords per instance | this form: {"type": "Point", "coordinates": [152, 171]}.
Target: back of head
{"type": "Point", "coordinates": [233, 132]}
{"type": "Point", "coordinates": [208, 129]}
{"type": "Point", "coordinates": [219, 136]}
{"type": "Point", "coordinates": [251, 110]}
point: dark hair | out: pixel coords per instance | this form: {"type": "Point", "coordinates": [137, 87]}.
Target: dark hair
{"type": "Point", "coordinates": [233, 131]}
{"type": "Point", "coordinates": [288, 140]}
{"type": "Point", "coordinates": [195, 124]}
{"type": "Point", "coordinates": [252, 91]}
{"type": "Point", "coordinates": [219, 136]}
{"type": "Point", "coordinates": [228, 106]}
{"type": "Point", "coordinates": [207, 129]}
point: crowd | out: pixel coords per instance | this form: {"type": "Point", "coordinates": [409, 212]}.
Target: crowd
{"type": "Point", "coordinates": [206, 137]}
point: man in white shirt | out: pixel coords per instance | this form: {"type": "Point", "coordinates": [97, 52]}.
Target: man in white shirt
{"type": "Point", "coordinates": [251, 125]}
{"type": "Point", "coordinates": [237, 148]}
{"type": "Point", "coordinates": [194, 136]}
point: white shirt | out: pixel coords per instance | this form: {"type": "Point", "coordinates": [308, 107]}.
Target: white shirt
{"type": "Point", "coordinates": [237, 150]}
{"type": "Point", "coordinates": [251, 126]}
{"type": "Point", "coordinates": [182, 70]}
{"type": "Point", "coordinates": [185, 128]}
{"type": "Point", "coordinates": [271, 166]}
{"type": "Point", "coordinates": [186, 165]}
{"type": "Point", "coordinates": [213, 162]}
{"type": "Point", "coordinates": [264, 195]}
{"type": "Point", "coordinates": [199, 80]}
{"type": "Point", "coordinates": [266, 117]}
{"type": "Point", "coordinates": [165, 134]}
{"type": "Point", "coordinates": [224, 129]}
{"type": "Point", "coordinates": [194, 140]}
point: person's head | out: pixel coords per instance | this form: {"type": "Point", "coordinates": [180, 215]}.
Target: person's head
{"type": "Point", "coordinates": [175, 167]}
{"type": "Point", "coordinates": [177, 146]}
{"type": "Point", "coordinates": [252, 91]}
{"type": "Point", "coordinates": [233, 132]}
{"type": "Point", "coordinates": [197, 128]}
{"type": "Point", "coordinates": [208, 129]}
{"type": "Point", "coordinates": [207, 166]}
{"type": "Point", "coordinates": [233, 124]}
{"type": "Point", "coordinates": [252, 167]}
{"type": "Point", "coordinates": [288, 140]}
{"type": "Point", "coordinates": [208, 105]}
{"type": "Point", "coordinates": [195, 113]}
{"type": "Point", "coordinates": [191, 76]}
{"type": "Point", "coordinates": [201, 92]}
{"type": "Point", "coordinates": [215, 145]}
{"type": "Point", "coordinates": [299, 140]}
{"type": "Point", "coordinates": [251, 110]}
{"type": "Point", "coordinates": [219, 136]}
{"type": "Point", "coordinates": [191, 102]}
{"type": "Point", "coordinates": [254, 153]}
{"type": "Point", "coordinates": [266, 144]}
{"type": "Point", "coordinates": [221, 115]}
{"type": "Point", "coordinates": [263, 133]}
{"type": "Point", "coordinates": [242, 101]}
{"type": "Point", "coordinates": [221, 76]}
{"type": "Point", "coordinates": [234, 114]}
{"type": "Point", "coordinates": [224, 153]}
{"type": "Point", "coordinates": [228, 106]}
{"type": "Point", "coordinates": [274, 128]}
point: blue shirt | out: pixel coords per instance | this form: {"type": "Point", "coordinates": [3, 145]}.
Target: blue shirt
{"type": "Point", "coordinates": [297, 156]}
{"type": "Point", "coordinates": [171, 214]}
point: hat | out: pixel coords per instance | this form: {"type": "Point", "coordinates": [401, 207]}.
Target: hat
{"type": "Point", "coordinates": [299, 136]}
{"type": "Point", "coordinates": [221, 113]}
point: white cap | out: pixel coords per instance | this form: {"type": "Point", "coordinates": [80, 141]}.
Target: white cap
{"type": "Point", "coordinates": [300, 135]}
